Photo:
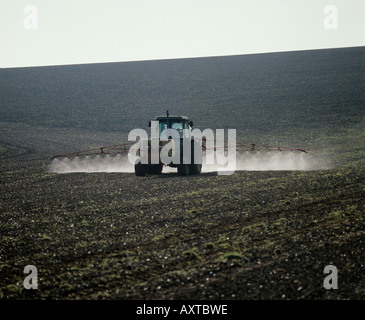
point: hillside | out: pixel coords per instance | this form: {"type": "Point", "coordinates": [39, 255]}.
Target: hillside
{"type": "Point", "coordinates": [256, 234]}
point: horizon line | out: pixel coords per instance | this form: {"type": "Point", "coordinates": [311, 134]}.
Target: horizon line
{"type": "Point", "coordinates": [179, 58]}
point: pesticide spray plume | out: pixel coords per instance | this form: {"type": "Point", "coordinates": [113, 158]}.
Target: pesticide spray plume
{"type": "Point", "coordinates": [272, 161]}
{"type": "Point", "coordinates": [245, 161]}
{"type": "Point", "coordinates": [89, 164]}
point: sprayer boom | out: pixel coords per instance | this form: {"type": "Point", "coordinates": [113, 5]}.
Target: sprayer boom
{"type": "Point", "coordinates": [113, 150]}
{"type": "Point", "coordinates": [185, 152]}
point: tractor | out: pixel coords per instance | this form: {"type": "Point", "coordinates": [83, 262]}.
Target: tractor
{"type": "Point", "coordinates": [187, 161]}
{"type": "Point", "coordinates": [171, 144]}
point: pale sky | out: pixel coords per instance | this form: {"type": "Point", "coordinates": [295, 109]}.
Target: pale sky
{"type": "Point", "coordinates": [57, 32]}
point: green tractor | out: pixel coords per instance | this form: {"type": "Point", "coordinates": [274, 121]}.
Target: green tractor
{"type": "Point", "coordinates": [188, 160]}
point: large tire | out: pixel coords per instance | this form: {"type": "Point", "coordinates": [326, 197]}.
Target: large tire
{"type": "Point", "coordinates": [140, 169]}
{"type": "Point", "coordinates": [155, 169]}
{"type": "Point", "coordinates": [159, 169]}
{"type": "Point", "coordinates": [183, 169]}
{"type": "Point", "coordinates": [195, 168]}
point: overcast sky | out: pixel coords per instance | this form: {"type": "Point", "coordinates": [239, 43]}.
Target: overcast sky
{"type": "Point", "coordinates": [56, 32]}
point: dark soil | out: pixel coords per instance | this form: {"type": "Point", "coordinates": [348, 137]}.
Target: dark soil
{"type": "Point", "coordinates": [251, 235]}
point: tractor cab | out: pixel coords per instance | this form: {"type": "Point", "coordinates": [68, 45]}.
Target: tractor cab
{"type": "Point", "coordinates": [178, 123]}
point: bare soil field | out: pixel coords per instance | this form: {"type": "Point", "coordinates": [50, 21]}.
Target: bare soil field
{"type": "Point", "coordinates": [256, 234]}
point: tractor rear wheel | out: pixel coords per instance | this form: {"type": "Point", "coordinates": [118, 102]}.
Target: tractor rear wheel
{"type": "Point", "coordinates": [140, 169]}
{"type": "Point", "coordinates": [183, 169]}
{"type": "Point", "coordinates": [196, 152]}
{"type": "Point", "coordinates": [155, 169]}
{"type": "Point", "coordinates": [195, 168]}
